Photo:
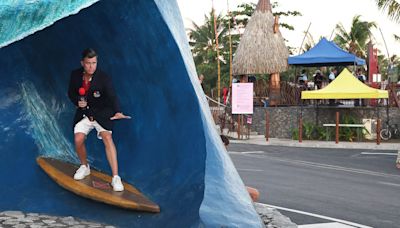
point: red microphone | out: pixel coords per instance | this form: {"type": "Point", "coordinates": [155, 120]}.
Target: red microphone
{"type": "Point", "coordinates": [82, 91]}
{"type": "Point", "coordinates": [82, 97]}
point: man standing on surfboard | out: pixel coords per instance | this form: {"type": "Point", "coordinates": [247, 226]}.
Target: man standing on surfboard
{"type": "Point", "coordinates": [92, 92]}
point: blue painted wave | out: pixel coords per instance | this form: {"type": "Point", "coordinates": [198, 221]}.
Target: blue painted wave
{"type": "Point", "coordinates": [170, 150]}
{"type": "Point", "coordinates": [14, 15]}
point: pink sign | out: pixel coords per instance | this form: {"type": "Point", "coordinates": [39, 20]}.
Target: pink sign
{"type": "Point", "coordinates": [249, 120]}
{"type": "Point", "coordinates": [242, 98]}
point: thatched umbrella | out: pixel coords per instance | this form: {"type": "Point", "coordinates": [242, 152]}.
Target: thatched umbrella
{"type": "Point", "coordinates": [262, 49]}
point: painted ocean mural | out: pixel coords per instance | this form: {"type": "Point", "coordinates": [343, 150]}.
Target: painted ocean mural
{"type": "Point", "coordinates": [169, 150]}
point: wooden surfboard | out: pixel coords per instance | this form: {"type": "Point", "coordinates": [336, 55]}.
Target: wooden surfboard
{"type": "Point", "coordinates": [96, 186]}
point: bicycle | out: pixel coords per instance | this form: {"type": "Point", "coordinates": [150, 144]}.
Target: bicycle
{"type": "Point", "coordinates": [390, 131]}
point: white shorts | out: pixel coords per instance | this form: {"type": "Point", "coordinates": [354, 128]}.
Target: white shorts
{"type": "Point", "coordinates": [85, 126]}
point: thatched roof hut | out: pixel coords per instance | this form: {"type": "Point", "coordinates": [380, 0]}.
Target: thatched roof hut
{"type": "Point", "coordinates": [262, 49]}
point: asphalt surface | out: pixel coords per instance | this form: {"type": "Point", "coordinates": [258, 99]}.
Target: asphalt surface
{"type": "Point", "coordinates": [344, 184]}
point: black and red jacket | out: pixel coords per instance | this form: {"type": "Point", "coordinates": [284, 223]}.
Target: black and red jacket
{"type": "Point", "coordinates": [101, 98]}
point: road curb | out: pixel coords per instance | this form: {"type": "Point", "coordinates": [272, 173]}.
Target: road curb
{"type": "Point", "coordinates": [260, 140]}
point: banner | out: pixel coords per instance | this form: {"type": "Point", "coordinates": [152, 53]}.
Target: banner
{"type": "Point", "coordinates": [242, 98]}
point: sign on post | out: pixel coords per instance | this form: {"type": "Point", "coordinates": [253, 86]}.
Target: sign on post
{"type": "Point", "coordinates": [242, 98]}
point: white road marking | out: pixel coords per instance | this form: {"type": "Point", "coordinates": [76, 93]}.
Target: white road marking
{"type": "Point", "coordinates": [333, 167]}
{"type": "Point", "coordinates": [326, 225]}
{"type": "Point", "coordinates": [371, 153]}
{"type": "Point", "coordinates": [390, 184]}
{"type": "Point", "coordinates": [318, 165]}
{"type": "Point", "coordinates": [321, 216]}
{"type": "Point", "coordinates": [246, 152]}
{"type": "Point", "coordinates": [251, 170]}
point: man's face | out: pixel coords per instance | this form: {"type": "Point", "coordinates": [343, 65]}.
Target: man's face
{"type": "Point", "coordinates": [89, 65]}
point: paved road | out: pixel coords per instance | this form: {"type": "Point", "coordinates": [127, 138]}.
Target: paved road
{"type": "Point", "coordinates": [350, 185]}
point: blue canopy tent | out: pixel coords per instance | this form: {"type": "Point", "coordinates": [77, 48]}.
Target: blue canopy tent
{"type": "Point", "coordinates": [325, 53]}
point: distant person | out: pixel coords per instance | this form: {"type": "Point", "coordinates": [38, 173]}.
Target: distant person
{"type": "Point", "coordinates": [244, 79]}
{"type": "Point", "coordinates": [225, 140]}
{"type": "Point", "coordinates": [318, 79]}
{"type": "Point", "coordinates": [332, 75]}
{"type": "Point", "coordinates": [98, 94]}
{"type": "Point", "coordinates": [235, 80]}
{"type": "Point", "coordinates": [302, 80]}
{"type": "Point", "coordinates": [201, 79]}
{"type": "Point", "coordinates": [361, 77]}
{"type": "Point", "coordinates": [265, 101]}
{"type": "Point", "coordinates": [252, 79]}
{"type": "Point", "coordinates": [225, 92]}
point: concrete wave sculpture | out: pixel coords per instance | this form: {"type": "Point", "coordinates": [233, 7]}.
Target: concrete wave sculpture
{"type": "Point", "coordinates": [170, 150]}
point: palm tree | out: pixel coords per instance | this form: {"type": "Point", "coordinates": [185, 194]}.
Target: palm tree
{"type": "Point", "coordinates": [309, 42]}
{"type": "Point", "coordinates": [393, 10]}
{"type": "Point", "coordinates": [202, 39]}
{"type": "Point", "coordinates": [355, 41]}
{"type": "Point", "coordinates": [202, 42]}
{"type": "Point", "coordinates": [396, 37]}
{"type": "Point", "coordinates": [392, 7]}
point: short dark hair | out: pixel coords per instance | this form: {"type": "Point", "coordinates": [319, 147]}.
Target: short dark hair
{"type": "Point", "coordinates": [225, 140]}
{"type": "Point", "coordinates": [89, 53]}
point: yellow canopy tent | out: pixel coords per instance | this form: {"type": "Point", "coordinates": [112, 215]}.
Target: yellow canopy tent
{"type": "Point", "coordinates": [345, 86]}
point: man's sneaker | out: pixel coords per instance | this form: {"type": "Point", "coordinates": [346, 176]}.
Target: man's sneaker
{"type": "Point", "coordinates": [82, 172]}
{"type": "Point", "coordinates": [117, 184]}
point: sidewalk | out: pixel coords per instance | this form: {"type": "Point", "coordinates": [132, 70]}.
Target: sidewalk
{"type": "Point", "coordinates": [260, 140]}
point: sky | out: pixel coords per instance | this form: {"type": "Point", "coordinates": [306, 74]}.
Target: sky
{"type": "Point", "coordinates": [323, 16]}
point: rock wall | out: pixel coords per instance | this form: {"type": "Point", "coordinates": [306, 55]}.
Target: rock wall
{"type": "Point", "coordinates": [284, 119]}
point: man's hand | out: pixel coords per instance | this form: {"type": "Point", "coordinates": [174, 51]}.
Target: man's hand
{"type": "Point", "coordinates": [119, 116]}
{"type": "Point", "coordinates": [82, 104]}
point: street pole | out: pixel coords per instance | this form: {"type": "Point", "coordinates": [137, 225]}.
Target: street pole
{"type": "Point", "coordinates": [230, 45]}
{"type": "Point", "coordinates": [218, 62]}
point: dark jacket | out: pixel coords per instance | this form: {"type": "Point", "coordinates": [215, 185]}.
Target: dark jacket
{"type": "Point", "coordinates": [101, 98]}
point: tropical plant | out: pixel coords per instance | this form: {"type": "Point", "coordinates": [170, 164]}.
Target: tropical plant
{"type": "Point", "coordinates": [308, 129]}
{"type": "Point", "coordinates": [245, 11]}
{"type": "Point", "coordinates": [355, 41]}
{"type": "Point", "coordinates": [348, 133]}
{"type": "Point", "coordinates": [243, 14]}
{"type": "Point", "coordinates": [202, 42]}
{"type": "Point", "coordinates": [295, 133]}
{"type": "Point", "coordinates": [312, 131]}
{"type": "Point", "coordinates": [309, 42]}
{"type": "Point", "coordinates": [392, 7]}
{"type": "Point", "coordinates": [389, 67]}
{"type": "Point", "coordinates": [323, 133]}
{"type": "Point", "coordinates": [396, 37]}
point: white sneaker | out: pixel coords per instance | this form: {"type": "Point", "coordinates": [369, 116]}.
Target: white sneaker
{"type": "Point", "coordinates": [82, 172]}
{"type": "Point", "coordinates": [116, 183]}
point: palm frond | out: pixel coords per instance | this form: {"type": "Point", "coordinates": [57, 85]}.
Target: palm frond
{"type": "Point", "coordinates": [392, 7]}
{"type": "Point", "coordinates": [396, 37]}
